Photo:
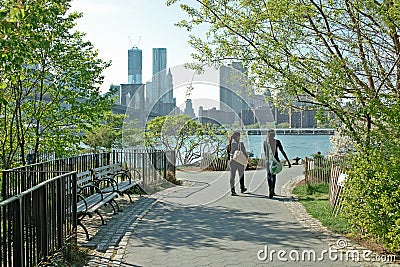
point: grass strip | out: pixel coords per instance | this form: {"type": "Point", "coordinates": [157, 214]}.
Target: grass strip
{"type": "Point", "coordinates": [315, 199]}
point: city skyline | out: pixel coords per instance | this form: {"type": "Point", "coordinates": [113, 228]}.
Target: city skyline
{"type": "Point", "coordinates": [116, 26]}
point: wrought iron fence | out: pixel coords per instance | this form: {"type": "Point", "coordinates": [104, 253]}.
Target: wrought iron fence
{"type": "Point", "coordinates": [39, 221]}
{"type": "Point", "coordinates": [20, 179]}
{"type": "Point", "coordinates": [153, 165]}
{"type": "Point", "coordinates": [38, 215]}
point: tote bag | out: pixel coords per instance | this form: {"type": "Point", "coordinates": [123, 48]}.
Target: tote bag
{"type": "Point", "coordinates": [239, 156]}
{"type": "Point", "coordinates": [275, 166]}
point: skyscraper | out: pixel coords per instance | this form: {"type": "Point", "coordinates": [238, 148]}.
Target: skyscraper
{"type": "Point", "coordinates": [134, 66]}
{"type": "Point", "coordinates": [168, 95]}
{"type": "Point", "coordinates": [233, 88]}
{"type": "Point", "coordinates": [159, 60]}
{"type": "Point", "coordinates": [162, 84]}
{"type": "Point", "coordinates": [159, 72]}
{"type": "Point", "coordinates": [189, 108]}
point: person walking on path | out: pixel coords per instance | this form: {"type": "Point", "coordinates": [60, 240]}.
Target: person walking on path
{"type": "Point", "coordinates": [234, 145]}
{"type": "Point", "coordinates": [273, 144]}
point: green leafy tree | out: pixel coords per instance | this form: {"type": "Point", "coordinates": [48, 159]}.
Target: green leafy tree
{"type": "Point", "coordinates": [188, 138]}
{"type": "Point", "coordinates": [132, 134]}
{"type": "Point", "coordinates": [49, 81]}
{"type": "Point", "coordinates": [372, 195]}
{"type": "Point", "coordinates": [339, 56]}
{"type": "Point", "coordinates": [107, 135]}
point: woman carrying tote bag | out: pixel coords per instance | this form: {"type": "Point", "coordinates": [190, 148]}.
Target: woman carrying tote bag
{"type": "Point", "coordinates": [238, 161]}
{"type": "Point", "coordinates": [271, 146]}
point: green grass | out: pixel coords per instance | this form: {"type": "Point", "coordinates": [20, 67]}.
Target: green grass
{"type": "Point", "coordinates": [315, 199]}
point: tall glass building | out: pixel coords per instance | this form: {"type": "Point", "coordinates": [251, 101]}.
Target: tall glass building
{"type": "Point", "coordinates": [159, 82]}
{"type": "Point", "coordinates": [134, 66]}
{"type": "Point", "coordinates": [159, 60]}
{"type": "Point", "coordinates": [162, 84]}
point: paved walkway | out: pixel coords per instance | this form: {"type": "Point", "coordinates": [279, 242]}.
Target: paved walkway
{"type": "Point", "coordinates": [201, 224]}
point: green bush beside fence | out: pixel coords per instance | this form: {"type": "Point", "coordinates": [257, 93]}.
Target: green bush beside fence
{"type": "Point", "coordinates": [371, 197]}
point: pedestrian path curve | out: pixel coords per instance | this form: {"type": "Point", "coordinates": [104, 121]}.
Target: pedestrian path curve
{"type": "Point", "coordinates": [201, 224]}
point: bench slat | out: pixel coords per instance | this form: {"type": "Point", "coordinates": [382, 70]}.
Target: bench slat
{"type": "Point", "coordinates": [106, 199]}
{"type": "Point", "coordinates": [119, 181]}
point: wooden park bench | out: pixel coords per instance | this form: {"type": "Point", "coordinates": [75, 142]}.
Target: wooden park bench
{"type": "Point", "coordinates": [100, 186]}
{"type": "Point", "coordinates": [118, 179]}
{"type": "Point", "coordinates": [91, 198]}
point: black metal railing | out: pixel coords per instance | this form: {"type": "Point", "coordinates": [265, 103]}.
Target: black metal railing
{"type": "Point", "coordinates": [39, 221]}
{"type": "Point", "coordinates": [17, 180]}
{"type": "Point", "coordinates": [38, 214]}
{"type": "Point", "coordinates": [151, 164]}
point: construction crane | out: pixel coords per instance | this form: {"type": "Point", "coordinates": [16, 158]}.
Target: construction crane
{"type": "Point", "coordinates": [137, 44]}
{"type": "Point", "coordinates": [130, 40]}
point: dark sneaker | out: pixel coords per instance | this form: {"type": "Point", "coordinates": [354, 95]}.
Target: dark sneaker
{"type": "Point", "coordinates": [234, 194]}
{"type": "Point", "coordinates": [271, 194]}
{"type": "Point", "coordinates": [243, 190]}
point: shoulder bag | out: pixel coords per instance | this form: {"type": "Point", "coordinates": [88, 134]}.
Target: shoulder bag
{"type": "Point", "coordinates": [239, 156]}
{"type": "Point", "coordinates": [275, 166]}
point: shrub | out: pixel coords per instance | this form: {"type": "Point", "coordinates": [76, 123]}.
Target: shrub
{"type": "Point", "coordinates": [372, 195]}
{"type": "Point", "coordinates": [256, 161]}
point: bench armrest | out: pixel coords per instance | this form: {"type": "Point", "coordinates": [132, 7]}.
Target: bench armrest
{"type": "Point", "coordinates": [122, 176]}
{"type": "Point", "coordinates": [82, 198]}
{"type": "Point", "coordinates": [129, 174]}
{"type": "Point", "coordinates": [90, 186]}
{"type": "Point", "coordinates": [109, 181]}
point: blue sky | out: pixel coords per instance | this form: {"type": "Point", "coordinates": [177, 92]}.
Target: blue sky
{"type": "Point", "coordinates": [114, 26]}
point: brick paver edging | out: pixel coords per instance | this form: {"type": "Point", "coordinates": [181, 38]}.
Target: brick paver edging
{"type": "Point", "coordinates": [113, 255]}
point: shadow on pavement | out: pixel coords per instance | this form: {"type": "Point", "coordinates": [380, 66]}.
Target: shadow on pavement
{"type": "Point", "coordinates": [168, 227]}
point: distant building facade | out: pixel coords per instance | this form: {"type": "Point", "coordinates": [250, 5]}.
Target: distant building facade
{"type": "Point", "coordinates": [189, 108]}
{"type": "Point", "coordinates": [159, 93]}
{"type": "Point", "coordinates": [215, 116]}
{"type": "Point", "coordinates": [232, 89]}
{"type": "Point", "coordinates": [264, 115]}
{"type": "Point", "coordinates": [237, 95]}
{"type": "Point", "coordinates": [300, 116]}
{"type": "Point", "coordinates": [259, 115]}
{"type": "Point", "coordinates": [134, 66]}
{"type": "Point", "coordinates": [159, 82]}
